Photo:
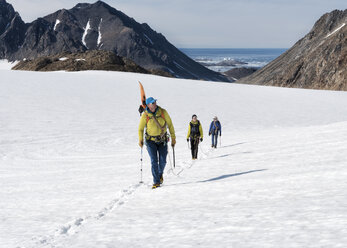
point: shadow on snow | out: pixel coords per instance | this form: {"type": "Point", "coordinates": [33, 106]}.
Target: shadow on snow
{"type": "Point", "coordinates": [220, 177]}
{"type": "Point", "coordinates": [230, 175]}
{"type": "Point", "coordinates": [227, 155]}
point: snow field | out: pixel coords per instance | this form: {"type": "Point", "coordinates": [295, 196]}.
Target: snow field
{"type": "Point", "coordinates": [70, 164]}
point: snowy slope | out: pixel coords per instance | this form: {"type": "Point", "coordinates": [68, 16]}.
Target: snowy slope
{"type": "Point", "coordinates": [70, 164]}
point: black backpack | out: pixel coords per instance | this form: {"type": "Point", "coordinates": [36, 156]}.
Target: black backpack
{"type": "Point", "coordinates": [194, 129]}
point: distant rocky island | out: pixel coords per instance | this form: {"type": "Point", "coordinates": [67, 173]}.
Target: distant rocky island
{"type": "Point", "coordinates": [225, 62]}
{"type": "Point", "coordinates": [95, 26]}
{"type": "Point", "coordinates": [317, 61]}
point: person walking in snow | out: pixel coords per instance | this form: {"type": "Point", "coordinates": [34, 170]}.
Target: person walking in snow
{"type": "Point", "coordinates": [195, 135]}
{"type": "Point", "coordinates": [215, 128]}
{"type": "Point", "coordinates": [156, 120]}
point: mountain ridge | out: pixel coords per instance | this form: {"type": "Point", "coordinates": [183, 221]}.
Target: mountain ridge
{"type": "Point", "coordinates": [317, 61]}
{"type": "Point", "coordinates": [99, 26]}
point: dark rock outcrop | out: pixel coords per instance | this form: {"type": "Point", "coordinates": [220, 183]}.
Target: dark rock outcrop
{"type": "Point", "coordinates": [317, 61]}
{"type": "Point", "coordinates": [238, 73]}
{"type": "Point", "coordinates": [89, 60]}
{"type": "Point", "coordinates": [98, 26]}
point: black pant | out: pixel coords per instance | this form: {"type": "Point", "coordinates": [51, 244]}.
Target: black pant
{"type": "Point", "coordinates": [194, 145]}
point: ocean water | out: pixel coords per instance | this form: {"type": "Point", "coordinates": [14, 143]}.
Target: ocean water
{"type": "Point", "coordinates": [223, 59]}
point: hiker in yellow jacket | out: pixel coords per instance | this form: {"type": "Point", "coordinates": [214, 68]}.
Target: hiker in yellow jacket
{"type": "Point", "coordinates": [195, 135]}
{"type": "Point", "coordinates": [156, 120]}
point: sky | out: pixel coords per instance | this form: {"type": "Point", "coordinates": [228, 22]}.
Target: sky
{"type": "Point", "coordinates": [210, 23]}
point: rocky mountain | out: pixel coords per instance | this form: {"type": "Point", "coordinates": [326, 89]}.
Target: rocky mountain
{"type": "Point", "coordinates": [88, 60]}
{"type": "Point", "coordinates": [96, 26]}
{"type": "Point", "coordinates": [317, 61]}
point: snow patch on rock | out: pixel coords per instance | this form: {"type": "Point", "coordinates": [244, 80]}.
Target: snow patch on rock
{"type": "Point", "coordinates": [343, 24]}
{"type": "Point", "coordinates": [85, 34]}
{"type": "Point", "coordinates": [100, 35]}
{"type": "Point", "coordinates": [56, 24]}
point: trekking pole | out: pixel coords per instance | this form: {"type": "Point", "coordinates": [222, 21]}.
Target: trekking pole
{"type": "Point", "coordinates": [141, 165]}
{"type": "Point", "coordinates": [220, 140]}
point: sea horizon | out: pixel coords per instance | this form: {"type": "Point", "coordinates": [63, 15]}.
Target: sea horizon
{"type": "Point", "coordinates": [224, 59]}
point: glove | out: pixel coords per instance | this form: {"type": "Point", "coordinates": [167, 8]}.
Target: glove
{"type": "Point", "coordinates": [201, 139]}
{"type": "Point", "coordinates": [209, 134]}
{"type": "Point", "coordinates": [141, 143]}
{"type": "Point", "coordinates": [141, 109]}
{"type": "Point", "coordinates": [187, 140]}
{"type": "Point", "coordinates": [173, 142]}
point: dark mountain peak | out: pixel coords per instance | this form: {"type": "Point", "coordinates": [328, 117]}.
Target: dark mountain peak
{"type": "Point", "coordinates": [101, 3]}
{"type": "Point", "coordinates": [333, 17]}
{"type": "Point", "coordinates": [98, 26]}
{"type": "Point", "coordinates": [100, 9]}
{"type": "Point", "coordinates": [96, 5]}
{"type": "Point", "coordinates": [82, 5]}
{"type": "Point", "coordinates": [328, 23]}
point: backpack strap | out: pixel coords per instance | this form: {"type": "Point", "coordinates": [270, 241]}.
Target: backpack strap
{"type": "Point", "coordinates": [214, 123]}
{"type": "Point", "coordinates": [162, 128]}
{"type": "Point", "coordinates": [162, 116]}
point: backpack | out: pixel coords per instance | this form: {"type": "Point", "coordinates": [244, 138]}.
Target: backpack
{"type": "Point", "coordinates": [163, 136]}
{"type": "Point", "coordinates": [195, 129]}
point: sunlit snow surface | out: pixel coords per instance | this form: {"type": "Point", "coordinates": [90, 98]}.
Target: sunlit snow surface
{"type": "Point", "coordinates": [70, 164]}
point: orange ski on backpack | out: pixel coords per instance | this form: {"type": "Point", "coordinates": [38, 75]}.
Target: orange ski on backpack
{"type": "Point", "coordinates": [143, 99]}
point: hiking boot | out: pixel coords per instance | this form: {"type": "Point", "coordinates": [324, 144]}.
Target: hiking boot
{"type": "Point", "coordinates": [161, 179]}
{"type": "Point", "coordinates": [155, 185]}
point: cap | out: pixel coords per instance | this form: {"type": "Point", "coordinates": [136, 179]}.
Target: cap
{"type": "Point", "coordinates": [193, 116]}
{"type": "Point", "coordinates": [150, 100]}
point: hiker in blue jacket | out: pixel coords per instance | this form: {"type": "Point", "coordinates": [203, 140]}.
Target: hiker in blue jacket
{"type": "Point", "coordinates": [215, 128]}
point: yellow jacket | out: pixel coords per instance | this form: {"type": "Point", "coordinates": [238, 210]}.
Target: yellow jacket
{"type": "Point", "coordinates": [200, 129]}
{"type": "Point", "coordinates": [152, 128]}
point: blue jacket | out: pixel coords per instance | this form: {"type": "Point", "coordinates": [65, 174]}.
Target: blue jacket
{"type": "Point", "coordinates": [215, 128]}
